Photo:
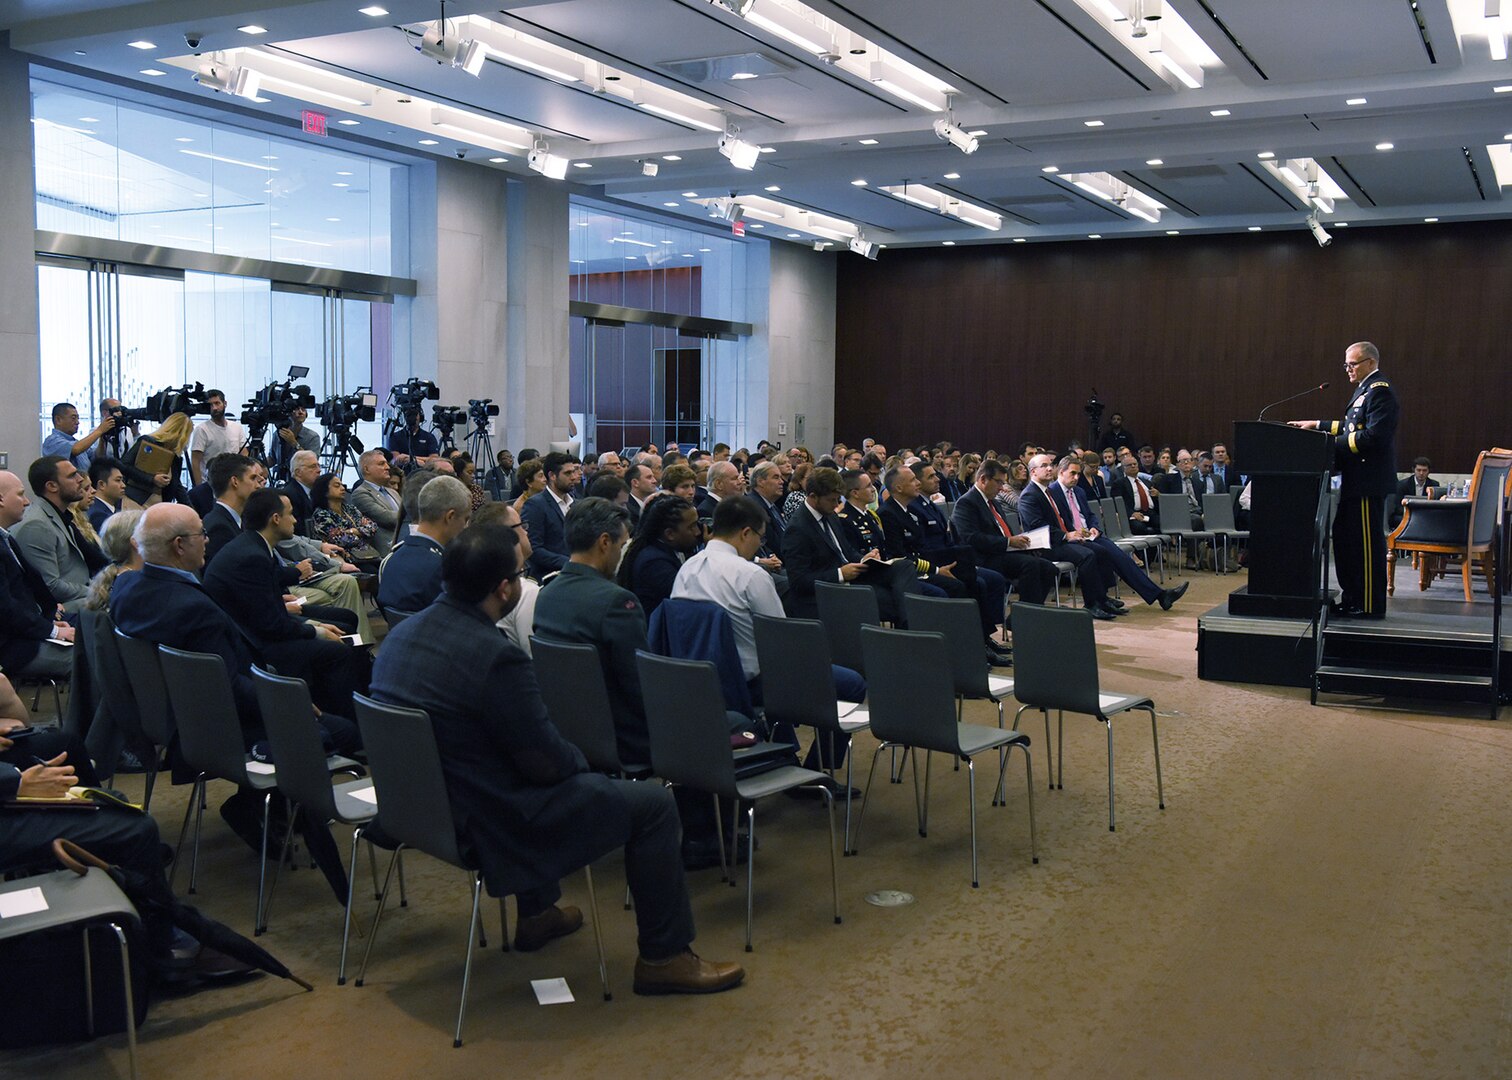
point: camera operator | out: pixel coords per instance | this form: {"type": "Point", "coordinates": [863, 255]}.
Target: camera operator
{"type": "Point", "coordinates": [218, 435]}
{"type": "Point", "coordinates": [412, 446]}
{"type": "Point", "coordinates": [64, 440]}
{"type": "Point", "coordinates": [293, 437]}
{"type": "Point", "coordinates": [126, 429]}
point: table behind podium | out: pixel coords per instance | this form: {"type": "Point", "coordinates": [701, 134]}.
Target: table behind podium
{"type": "Point", "coordinates": [1289, 499]}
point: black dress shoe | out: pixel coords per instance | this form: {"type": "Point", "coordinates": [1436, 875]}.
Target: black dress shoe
{"type": "Point", "coordinates": [1111, 610]}
{"type": "Point", "coordinates": [1102, 614]}
{"type": "Point", "coordinates": [1115, 603]}
{"type": "Point", "coordinates": [999, 659]}
{"type": "Point", "coordinates": [999, 647]}
{"type": "Point", "coordinates": [1170, 596]}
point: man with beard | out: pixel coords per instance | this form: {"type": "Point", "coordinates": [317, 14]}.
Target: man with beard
{"type": "Point", "coordinates": [217, 435]}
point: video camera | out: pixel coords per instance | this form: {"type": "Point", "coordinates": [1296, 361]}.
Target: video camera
{"type": "Point", "coordinates": [186, 399]}
{"type": "Point", "coordinates": [446, 417]}
{"type": "Point", "coordinates": [480, 409]}
{"type": "Point", "coordinates": [275, 403]}
{"type": "Point", "coordinates": [408, 398]}
{"type": "Point", "coordinates": [341, 412]}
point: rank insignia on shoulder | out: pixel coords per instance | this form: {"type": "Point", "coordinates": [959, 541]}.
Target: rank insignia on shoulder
{"type": "Point", "coordinates": [1378, 382]}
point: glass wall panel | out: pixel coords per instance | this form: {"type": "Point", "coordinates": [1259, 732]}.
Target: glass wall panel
{"type": "Point", "coordinates": [63, 296]}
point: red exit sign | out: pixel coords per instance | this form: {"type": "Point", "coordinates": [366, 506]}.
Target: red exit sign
{"type": "Point", "coordinates": [738, 228]}
{"type": "Point", "coordinates": [314, 123]}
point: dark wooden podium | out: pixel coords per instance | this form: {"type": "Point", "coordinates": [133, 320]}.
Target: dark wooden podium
{"type": "Point", "coordinates": [1289, 500]}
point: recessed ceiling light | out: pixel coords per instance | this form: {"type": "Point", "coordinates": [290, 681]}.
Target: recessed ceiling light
{"type": "Point", "coordinates": [270, 157]}
{"type": "Point", "coordinates": [253, 29]}
{"type": "Point", "coordinates": [768, 149]}
{"type": "Point", "coordinates": [742, 75]}
{"type": "Point", "coordinates": [349, 123]}
{"type": "Point", "coordinates": [669, 241]}
{"type": "Point", "coordinates": [1502, 89]}
{"type": "Point", "coordinates": [1340, 224]}
{"type": "Point", "coordinates": [1429, 220]}
{"type": "Point", "coordinates": [773, 187]}
{"type": "Point", "coordinates": [1508, 136]}
{"type": "Point", "coordinates": [705, 250]}
{"type": "Point", "coordinates": [949, 243]}
{"type": "Point", "coordinates": [582, 165]}
{"type": "Point", "coordinates": [671, 157]}
{"type": "Point", "coordinates": [687, 255]}
{"type": "Point", "coordinates": [670, 204]}
{"type": "Point", "coordinates": [1385, 146]}
{"type": "Point", "coordinates": [757, 225]}
{"type": "Point", "coordinates": [80, 52]}
{"type": "Point", "coordinates": [868, 142]}
{"type": "Point", "coordinates": [1254, 228]}
{"type": "Point", "coordinates": [1173, 232]}
{"type": "Point", "coordinates": [497, 160]}
{"type": "Point", "coordinates": [1355, 101]}
{"type": "Point", "coordinates": [95, 120]}
{"type": "Point", "coordinates": [952, 176]}
{"type": "Point", "coordinates": [154, 72]}
{"type": "Point", "coordinates": [628, 232]}
{"type": "Point", "coordinates": [1051, 169]}
{"type": "Point", "coordinates": [343, 172]}
{"type": "Point", "coordinates": [1094, 236]}
{"type": "Point", "coordinates": [262, 100]}
{"type": "Point", "coordinates": [1019, 240]}
{"type": "Point", "coordinates": [977, 134]}
{"type": "Point", "coordinates": [373, 11]}
{"type": "Point", "coordinates": [791, 235]}
{"type": "Point", "coordinates": [183, 138]}
{"type": "Point", "coordinates": [333, 219]}
{"type": "Point", "coordinates": [1092, 123]}
{"type": "Point", "coordinates": [858, 183]}
{"type": "Point", "coordinates": [690, 194]}
{"type": "Point", "coordinates": [140, 45]}
{"type": "Point", "coordinates": [1218, 112]}
{"type": "Point", "coordinates": [428, 142]}
{"type": "Point", "coordinates": [1266, 155]}
{"type": "Point", "coordinates": [1155, 161]}
{"type": "Point", "coordinates": [631, 257]}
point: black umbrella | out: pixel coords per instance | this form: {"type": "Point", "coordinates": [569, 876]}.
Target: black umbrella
{"type": "Point", "coordinates": [160, 908]}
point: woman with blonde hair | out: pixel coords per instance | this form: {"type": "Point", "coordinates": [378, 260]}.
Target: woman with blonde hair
{"type": "Point", "coordinates": [116, 540]}
{"type": "Point", "coordinates": [161, 482]}
{"type": "Point", "coordinates": [795, 489]}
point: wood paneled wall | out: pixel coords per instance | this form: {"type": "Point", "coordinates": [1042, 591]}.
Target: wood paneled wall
{"type": "Point", "coordinates": [989, 346]}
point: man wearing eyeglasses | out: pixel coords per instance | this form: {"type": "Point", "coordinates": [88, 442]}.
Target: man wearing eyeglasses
{"type": "Point", "coordinates": [1365, 459]}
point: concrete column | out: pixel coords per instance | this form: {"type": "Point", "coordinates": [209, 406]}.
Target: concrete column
{"type": "Point", "coordinates": [20, 436]}
{"type": "Point", "coordinates": [536, 343]}
{"type": "Point", "coordinates": [801, 346]}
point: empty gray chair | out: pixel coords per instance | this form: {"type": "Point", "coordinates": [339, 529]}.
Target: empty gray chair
{"type": "Point", "coordinates": [1116, 525]}
{"type": "Point", "coordinates": [1176, 521]}
{"type": "Point", "coordinates": [145, 672]}
{"type": "Point", "coordinates": [84, 901]}
{"type": "Point", "coordinates": [798, 687]}
{"type": "Point", "coordinates": [690, 745]}
{"type": "Point", "coordinates": [122, 720]}
{"type": "Point", "coordinates": [1218, 516]}
{"type": "Point", "coordinates": [911, 699]}
{"type": "Point", "coordinates": [305, 779]}
{"type": "Point", "coordinates": [958, 622]}
{"type": "Point", "coordinates": [844, 610]}
{"type": "Point", "coordinates": [1057, 669]}
{"type": "Point", "coordinates": [401, 749]}
{"type": "Point", "coordinates": [210, 738]}
{"type": "Point", "coordinates": [571, 678]}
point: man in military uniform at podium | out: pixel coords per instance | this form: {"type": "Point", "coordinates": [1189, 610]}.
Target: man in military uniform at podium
{"type": "Point", "coordinates": [1365, 459]}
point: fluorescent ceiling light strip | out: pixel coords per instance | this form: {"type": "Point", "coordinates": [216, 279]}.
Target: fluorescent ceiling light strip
{"type": "Point", "coordinates": [230, 160]}
{"type": "Point", "coordinates": [906, 94]}
{"type": "Point", "coordinates": [515, 59]}
{"type": "Point", "coordinates": [1093, 189]}
{"type": "Point", "coordinates": [1190, 81]}
{"type": "Point", "coordinates": [305, 90]}
{"type": "Point", "coordinates": [479, 137]}
{"type": "Point", "coordinates": [759, 17]}
{"type": "Point", "coordinates": [1152, 216]}
{"type": "Point", "coordinates": [681, 118]}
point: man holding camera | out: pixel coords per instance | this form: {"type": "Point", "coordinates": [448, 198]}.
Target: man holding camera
{"type": "Point", "coordinates": [64, 439]}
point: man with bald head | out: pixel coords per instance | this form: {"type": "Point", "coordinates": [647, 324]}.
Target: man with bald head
{"type": "Point", "coordinates": [725, 482]}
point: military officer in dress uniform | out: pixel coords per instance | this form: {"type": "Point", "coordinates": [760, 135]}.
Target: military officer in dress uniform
{"type": "Point", "coordinates": [1365, 458]}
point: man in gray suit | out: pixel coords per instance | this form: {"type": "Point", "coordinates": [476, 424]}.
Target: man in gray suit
{"type": "Point", "coordinates": [372, 496]}
{"type": "Point", "coordinates": [51, 541]}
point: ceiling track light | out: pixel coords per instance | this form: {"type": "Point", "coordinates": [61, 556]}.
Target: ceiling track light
{"type": "Point", "coordinates": [240, 82]}
{"type": "Point", "coordinates": [543, 161]}
{"type": "Point", "coordinates": [469, 54]}
{"type": "Point", "coordinates": [946, 130]}
{"type": "Point", "coordinates": [1320, 234]}
{"type": "Point", "coordinates": [742, 154]}
{"type": "Point", "coordinates": [863, 247]}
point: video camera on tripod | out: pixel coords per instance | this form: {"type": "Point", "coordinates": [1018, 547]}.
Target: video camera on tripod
{"type": "Point", "coordinates": [444, 420]}
{"type": "Point", "coordinates": [407, 402]}
{"type": "Point", "coordinates": [339, 414]}
{"type": "Point", "coordinates": [273, 406]}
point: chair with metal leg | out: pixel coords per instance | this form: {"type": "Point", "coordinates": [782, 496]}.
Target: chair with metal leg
{"type": "Point", "coordinates": [1218, 517]}
{"type": "Point", "coordinates": [912, 703]}
{"type": "Point", "coordinates": [83, 902]}
{"type": "Point", "coordinates": [304, 777]}
{"type": "Point", "coordinates": [844, 610]}
{"type": "Point", "coordinates": [401, 749]}
{"type": "Point", "coordinates": [690, 746]}
{"type": "Point", "coordinates": [801, 689]}
{"type": "Point", "coordinates": [1056, 656]}
{"type": "Point", "coordinates": [144, 673]}
{"type": "Point", "coordinates": [1176, 521]}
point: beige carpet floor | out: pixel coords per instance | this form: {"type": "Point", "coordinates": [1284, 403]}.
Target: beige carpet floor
{"type": "Point", "coordinates": [1325, 895]}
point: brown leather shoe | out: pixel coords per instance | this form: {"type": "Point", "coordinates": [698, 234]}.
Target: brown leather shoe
{"type": "Point", "coordinates": [685, 973]}
{"type": "Point", "coordinates": [534, 932]}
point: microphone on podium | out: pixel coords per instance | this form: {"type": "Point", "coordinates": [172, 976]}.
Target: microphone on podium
{"type": "Point", "coordinates": [1294, 397]}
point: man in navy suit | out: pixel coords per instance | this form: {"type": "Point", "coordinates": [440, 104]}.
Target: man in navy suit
{"type": "Point", "coordinates": [1036, 510]}
{"type": "Point", "coordinates": [1071, 503]}
{"type": "Point", "coordinates": [29, 615]}
{"type": "Point", "coordinates": [244, 581]}
{"type": "Point", "coordinates": [978, 525]}
{"type": "Point", "coordinates": [767, 485]}
{"type": "Point", "coordinates": [527, 808]}
{"type": "Point", "coordinates": [409, 579]}
{"type": "Point", "coordinates": [544, 515]}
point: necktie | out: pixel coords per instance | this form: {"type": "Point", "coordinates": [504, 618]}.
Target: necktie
{"type": "Point", "coordinates": [1186, 486]}
{"type": "Point", "coordinates": [1144, 495]}
{"type": "Point", "coordinates": [10, 545]}
{"type": "Point", "coordinates": [1076, 517]}
{"type": "Point", "coordinates": [1002, 524]}
{"type": "Point", "coordinates": [829, 534]}
{"type": "Point", "coordinates": [1055, 510]}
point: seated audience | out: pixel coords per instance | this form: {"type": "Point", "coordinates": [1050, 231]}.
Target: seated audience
{"type": "Point", "coordinates": [1141, 505]}
{"type": "Point", "coordinates": [334, 521]}
{"type": "Point", "coordinates": [640, 478]}
{"type": "Point", "coordinates": [231, 479]}
{"type": "Point", "coordinates": [466, 471]}
{"type": "Point", "coordinates": [304, 467]}
{"type": "Point", "coordinates": [49, 536]}
{"type": "Point", "coordinates": [1182, 481]}
{"type": "Point", "coordinates": [30, 618]}
{"type": "Point", "coordinates": [680, 481]}
{"type": "Point", "coordinates": [410, 578]}
{"type": "Point", "coordinates": [668, 533]}
{"type": "Point", "coordinates": [530, 480]}
{"type": "Point", "coordinates": [1420, 484]}
{"type": "Point", "coordinates": [606, 485]}
{"type": "Point", "coordinates": [794, 498]}
{"type": "Point", "coordinates": [120, 548]}
{"type": "Point", "coordinates": [525, 805]}
{"type": "Point", "coordinates": [1038, 510]}
{"type": "Point", "coordinates": [979, 525]}
{"type": "Point", "coordinates": [374, 498]}
{"type": "Point", "coordinates": [544, 515]}
{"type": "Point", "coordinates": [725, 482]}
{"type": "Point", "coordinates": [109, 489]}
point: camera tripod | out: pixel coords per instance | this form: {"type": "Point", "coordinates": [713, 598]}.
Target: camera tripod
{"type": "Point", "coordinates": [338, 450]}
{"type": "Point", "coordinates": [480, 446]}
